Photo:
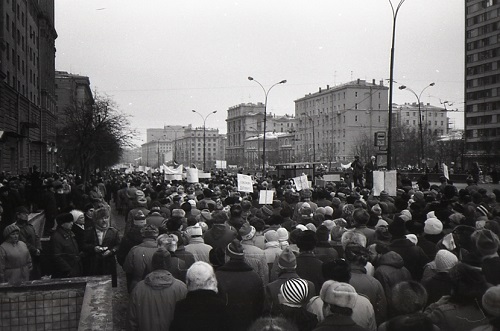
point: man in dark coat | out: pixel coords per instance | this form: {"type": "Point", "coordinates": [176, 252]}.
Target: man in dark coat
{"type": "Point", "coordinates": [65, 251]}
{"type": "Point", "coordinates": [308, 265]}
{"type": "Point", "coordinates": [101, 242]}
{"type": "Point", "coordinates": [370, 167]}
{"type": "Point", "coordinates": [221, 233]}
{"type": "Point", "coordinates": [242, 287]}
{"type": "Point", "coordinates": [202, 309]}
{"type": "Point", "coordinates": [357, 172]}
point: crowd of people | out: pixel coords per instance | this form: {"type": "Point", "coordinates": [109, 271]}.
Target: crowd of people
{"type": "Point", "coordinates": [204, 256]}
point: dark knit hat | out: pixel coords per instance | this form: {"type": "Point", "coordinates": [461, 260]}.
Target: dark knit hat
{"type": "Point", "coordinates": [234, 250]}
{"type": "Point", "coordinates": [287, 259]}
{"type": "Point", "coordinates": [486, 241]}
{"type": "Point", "coordinates": [64, 218]}
{"type": "Point", "coordinates": [216, 256]}
{"type": "Point", "coordinates": [397, 228]}
{"type": "Point", "coordinates": [266, 211]}
{"type": "Point", "coordinates": [322, 233]}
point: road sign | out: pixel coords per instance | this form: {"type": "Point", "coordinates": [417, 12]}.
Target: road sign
{"type": "Point", "coordinates": [380, 138]}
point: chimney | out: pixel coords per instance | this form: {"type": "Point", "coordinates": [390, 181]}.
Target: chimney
{"type": "Point", "coordinates": [320, 90]}
{"type": "Point", "coordinates": [358, 81]}
{"type": "Point", "coordinates": [381, 82]}
{"type": "Point", "coordinates": [327, 87]}
{"type": "Point", "coordinates": [373, 81]}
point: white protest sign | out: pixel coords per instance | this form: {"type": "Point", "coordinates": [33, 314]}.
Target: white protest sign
{"type": "Point", "coordinates": [301, 183]}
{"type": "Point", "coordinates": [391, 182]}
{"type": "Point", "coordinates": [266, 197]}
{"type": "Point", "coordinates": [245, 183]}
{"type": "Point", "coordinates": [378, 182]}
{"type": "Point", "coordinates": [192, 175]}
{"type": "Point", "coordinates": [332, 178]}
{"type": "Point", "coordinates": [446, 172]}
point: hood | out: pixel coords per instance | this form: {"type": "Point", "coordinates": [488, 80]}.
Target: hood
{"type": "Point", "coordinates": [159, 279]}
{"type": "Point", "coordinates": [392, 259]}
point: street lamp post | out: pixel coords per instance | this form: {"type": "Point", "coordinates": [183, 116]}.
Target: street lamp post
{"type": "Point", "coordinates": [391, 78]}
{"type": "Point", "coordinates": [266, 93]}
{"type": "Point", "coordinates": [314, 141]}
{"type": "Point", "coordinates": [403, 87]}
{"type": "Point", "coordinates": [204, 134]}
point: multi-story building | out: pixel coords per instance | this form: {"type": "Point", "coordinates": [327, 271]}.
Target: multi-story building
{"type": "Point", "coordinates": [435, 120]}
{"type": "Point", "coordinates": [246, 120]}
{"type": "Point", "coordinates": [279, 149]}
{"type": "Point", "coordinates": [27, 87]}
{"type": "Point", "coordinates": [333, 123]}
{"type": "Point", "coordinates": [132, 156]}
{"type": "Point", "coordinates": [201, 147]}
{"type": "Point", "coordinates": [156, 152]}
{"type": "Point", "coordinates": [482, 82]}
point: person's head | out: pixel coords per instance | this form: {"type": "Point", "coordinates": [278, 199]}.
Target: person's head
{"type": "Point", "coordinates": [161, 260]}
{"type": "Point", "coordinates": [357, 254]}
{"type": "Point", "coordinates": [491, 301]}
{"type": "Point", "coordinates": [408, 297]}
{"type": "Point", "coordinates": [234, 250]}
{"type": "Point", "coordinates": [294, 292]}
{"type": "Point", "coordinates": [149, 231]}
{"type": "Point", "coordinates": [201, 276]}
{"type": "Point", "coordinates": [11, 233]}
{"type": "Point", "coordinates": [287, 260]}
{"type": "Point", "coordinates": [485, 241]}
{"type": "Point", "coordinates": [467, 284]}
{"type": "Point", "coordinates": [306, 241]}
{"type": "Point", "coordinates": [78, 216]}
{"type": "Point", "coordinates": [338, 270]}
{"type": "Point", "coordinates": [101, 218]}
{"type": "Point", "coordinates": [65, 221]}
{"type": "Point", "coordinates": [272, 324]}
{"type": "Point", "coordinates": [360, 216]}
{"type": "Point", "coordinates": [168, 241]}
{"type": "Point", "coordinates": [353, 237]}
{"type": "Point", "coordinates": [445, 260]}
{"type": "Point", "coordinates": [22, 214]}
{"type": "Point", "coordinates": [339, 298]}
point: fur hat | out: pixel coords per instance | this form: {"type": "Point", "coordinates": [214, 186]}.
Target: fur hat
{"type": "Point", "coordinates": [287, 259]}
{"type": "Point", "coordinates": [306, 240]}
{"type": "Point", "coordinates": [491, 301]}
{"type": "Point", "coordinates": [234, 250]}
{"type": "Point", "coordinates": [486, 241]}
{"type": "Point", "coordinates": [338, 294]}
{"type": "Point", "coordinates": [194, 230]}
{"type": "Point", "coordinates": [295, 291]}
{"type": "Point", "coordinates": [178, 213]}
{"type": "Point", "coordinates": [11, 228]}
{"type": "Point", "coordinates": [247, 231]}
{"type": "Point", "coordinates": [271, 235]}
{"type": "Point", "coordinates": [445, 260]}
{"type": "Point", "coordinates": [433, 226]}
{"type": "Point", "coordinates": [206, 216]}
{"type": "Point", "coordinates": [139, 218]}
{"type": "Point", "coordinates": [149, 231]}
{"type": "Point", "coordinates": [408, 297]}
{"type": "Point", "coordinates": [64, 218]}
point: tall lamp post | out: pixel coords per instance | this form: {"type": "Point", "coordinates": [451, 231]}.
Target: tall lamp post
{"type": "Point", "coordinates": [314, 141]}
{"type": "Point", "coordinates": [266, 93]}
{"type": "Point", "coordinates": [403, 87]}
{"type": "Point", "coordinates": [391, 78]}
{"type": "Point", "coordinates": [204, 134]}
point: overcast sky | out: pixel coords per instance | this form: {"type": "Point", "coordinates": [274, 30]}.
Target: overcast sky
{"type": "Point", "coordinates": [159, 59]}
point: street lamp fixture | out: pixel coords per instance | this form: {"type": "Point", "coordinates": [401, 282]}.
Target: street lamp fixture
{"type": "Point", "coordinates": [266, 93]}
{"type": "Point", "coordinates": [391, 80]}
{"type": "Point", "coordinates": [404, 87]}
{"type": "Point", "coordinates": [204, 134]}
{"type": "Point", "coordinates": [314, 141]}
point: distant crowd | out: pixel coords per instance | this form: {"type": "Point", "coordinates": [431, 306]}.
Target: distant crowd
{"type": "Point", "coordinates": [204, 256]}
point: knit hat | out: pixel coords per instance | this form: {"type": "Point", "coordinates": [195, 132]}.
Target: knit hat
{"type": "Point", "coordinates": [433, 226]}
{"type": "Point", "coordinates": [407, 213]}
{"type": "Point", "coordinates": [206, 216]}
{"type": "Point", "coordinates": [329, 224]}
{"type": "Point", "coordinates": [321, 210]}
{"type": "Point", "coordinates": [194, 230]}
{"type": "Point", "coordinates": [178, 213]}
{"type": "Point", "coordinates": [413, 238]}
{"type": "Point", "coordinates": [431, 214]}
{"type": "Point", "coordinates": [247, 231]}
{"type": "Point", "coordinates": [9, 229]}
{"type": "Point", "coordinates": [338, 294]}
{"type": "Point", "coordinates": [271, 235]}
{"type": "Point", "coordinates": [287, 259]}
{"type": "Point", "coordinates": [301, 227]}
{"type": "Point", "coordinates": [491, 301]}
{"type": "Point", "coordinates": [397, 228]}
{"type": "Point", "coordinates": [266, 211]}
{"type": "Point", "coordinates": [445, 260]}
{"type": "Point", "coordinates": [306, 240]}
{"type": "Point", "coordinates": [76, 214]}
{"type": "Point", "coordinates": [328, 211]}
{"type": "Point", "coordinates": [234, 250]}
{"type": "Point", "coordinates": [482, 210]}
{"type": "Point", "coordinates": [311, 227]}
{"type": "Point", "coordinates": [322, 233]}
{"type": "Point", "coordinates": [486, 241]}
{"type": "Point", "coordinates": [64, 218]}
{"type": "Point", "coordinates": [336, 202]}
{"type": "Point", "coordinates": [139, 218]}
{"type": "Point", "coordinates": [149, 231]}
{"type": "Point", "coordinates": [295, 291]}
{"type": "Point", "coordinates": [282, 234]}
{"type": "Point", "coordinates": [140, 197]}
{"type": "Point", "coordinates": [381, 222]}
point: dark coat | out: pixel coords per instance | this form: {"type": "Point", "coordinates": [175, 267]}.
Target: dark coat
{"type": "Point", "coordinates": [491, 270]}
{"type": "Point", "coordinates": [391, 271]}
{"type": "Point", "coordinates": [131, 239]}
{"type": "Point", "coordinates": [325, 252]}
{"type": "Point", "coordinates": [242, 289]}
{"type": "Point", "coordinates": [413, 256]}
{"type": "Point", "coordinates": [303, 319]}
{"type": "Point", "coordinates": [220, 235]}
{"type": "Point", "coordinates": [201, 310]}
{"type": "Point", "coordinates": [66, 254]}
{"type": "Point", "coordinates": [98, 264]}
{"type": "Point", "coordinates": [309, 268]}
{"type": "Point", "coordinates": [339, 323]}
{"type": "Point", "coordinates": [437, 286]}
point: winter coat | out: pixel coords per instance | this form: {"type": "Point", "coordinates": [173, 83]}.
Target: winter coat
{"type": "Point", "coordinates": [450, 316]}
{"type": "Point", "coordinates": [413, 256]}
{"type": "Point", "coordinates": [491, 269]}
{"type": "Point", "coordinates": [437, 286]}
{"type": "Point", "coordinates": [201, 310]}
{"type": "Point", "coordinates": [98, 264]}
{"type": "Point", "coordinates": [152, 302]}
{"type": "Point", "coordinates": [391, 271]}
{"type": "Point", "coordinates": [256, 258]}
{"type": "Point", "coordinates": [304, 320]}
{"type": "Point", "coordinates": [66, 254]}
{"type": "Point", "coordinates": [131, 239]}
{"type": "Point", "coordinates": [242, 289]}
{"type": "Point", "coordinates": [309, 268]}
{"type": "Point", "coordinates": [15, 262]}
{"type": "Point", "coordinates": [338, 323]}
{"type": "Point", "coordinates": [138, 262]}
{"type": "Point", "coordinates": [199, 249]}
{"type": "Point", "coordinates": [271, 302]}
{"type": "Point", "coordinates": [372, 289]}
{"type": "Point", "coordinates": [220, 235]}
{"type": "Point", "coordinates": [325, 252]}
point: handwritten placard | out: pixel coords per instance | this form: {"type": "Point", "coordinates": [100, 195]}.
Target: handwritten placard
{"type": "Point", "coordinates": [266, 197]}
{"type": "Point", "coordinates": [245, 183]}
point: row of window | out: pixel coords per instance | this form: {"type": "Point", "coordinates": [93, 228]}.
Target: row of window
{"type": "Point", "coordinates": [476, 120]}
{"type": "Point", "coordinates": [482, 30]}
{"type": "Point", "coordinates": [489, 132]}
{"type": "Point", "coordinates": [485, 67]}
{"type": "Point", "coordinates": [481, 17]}
{"type": "Point", "coordinates": [485, 106]}
{"type": "Point", "coordinates": [481, 56]}
{"type": "Point", "coordinates": [483, 81]}
{"type": "Point", "coordinates": [479, 6]}
{"type": "Point", "coordinates": [492, 40]}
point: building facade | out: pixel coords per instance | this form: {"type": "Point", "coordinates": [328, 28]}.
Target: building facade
{"type": "Point", "coordinates": [333, 123]}
{"type": "Point", "coordinates": [435, 120]}
{"type": "Point", "coordinates": [482, 82]}
{"type": "Point", "coordinates": [156, 152]}
{"type": "Point", "coordinates": [200, 147]}
{"type": "Point", "coordinates": [27, 86]}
